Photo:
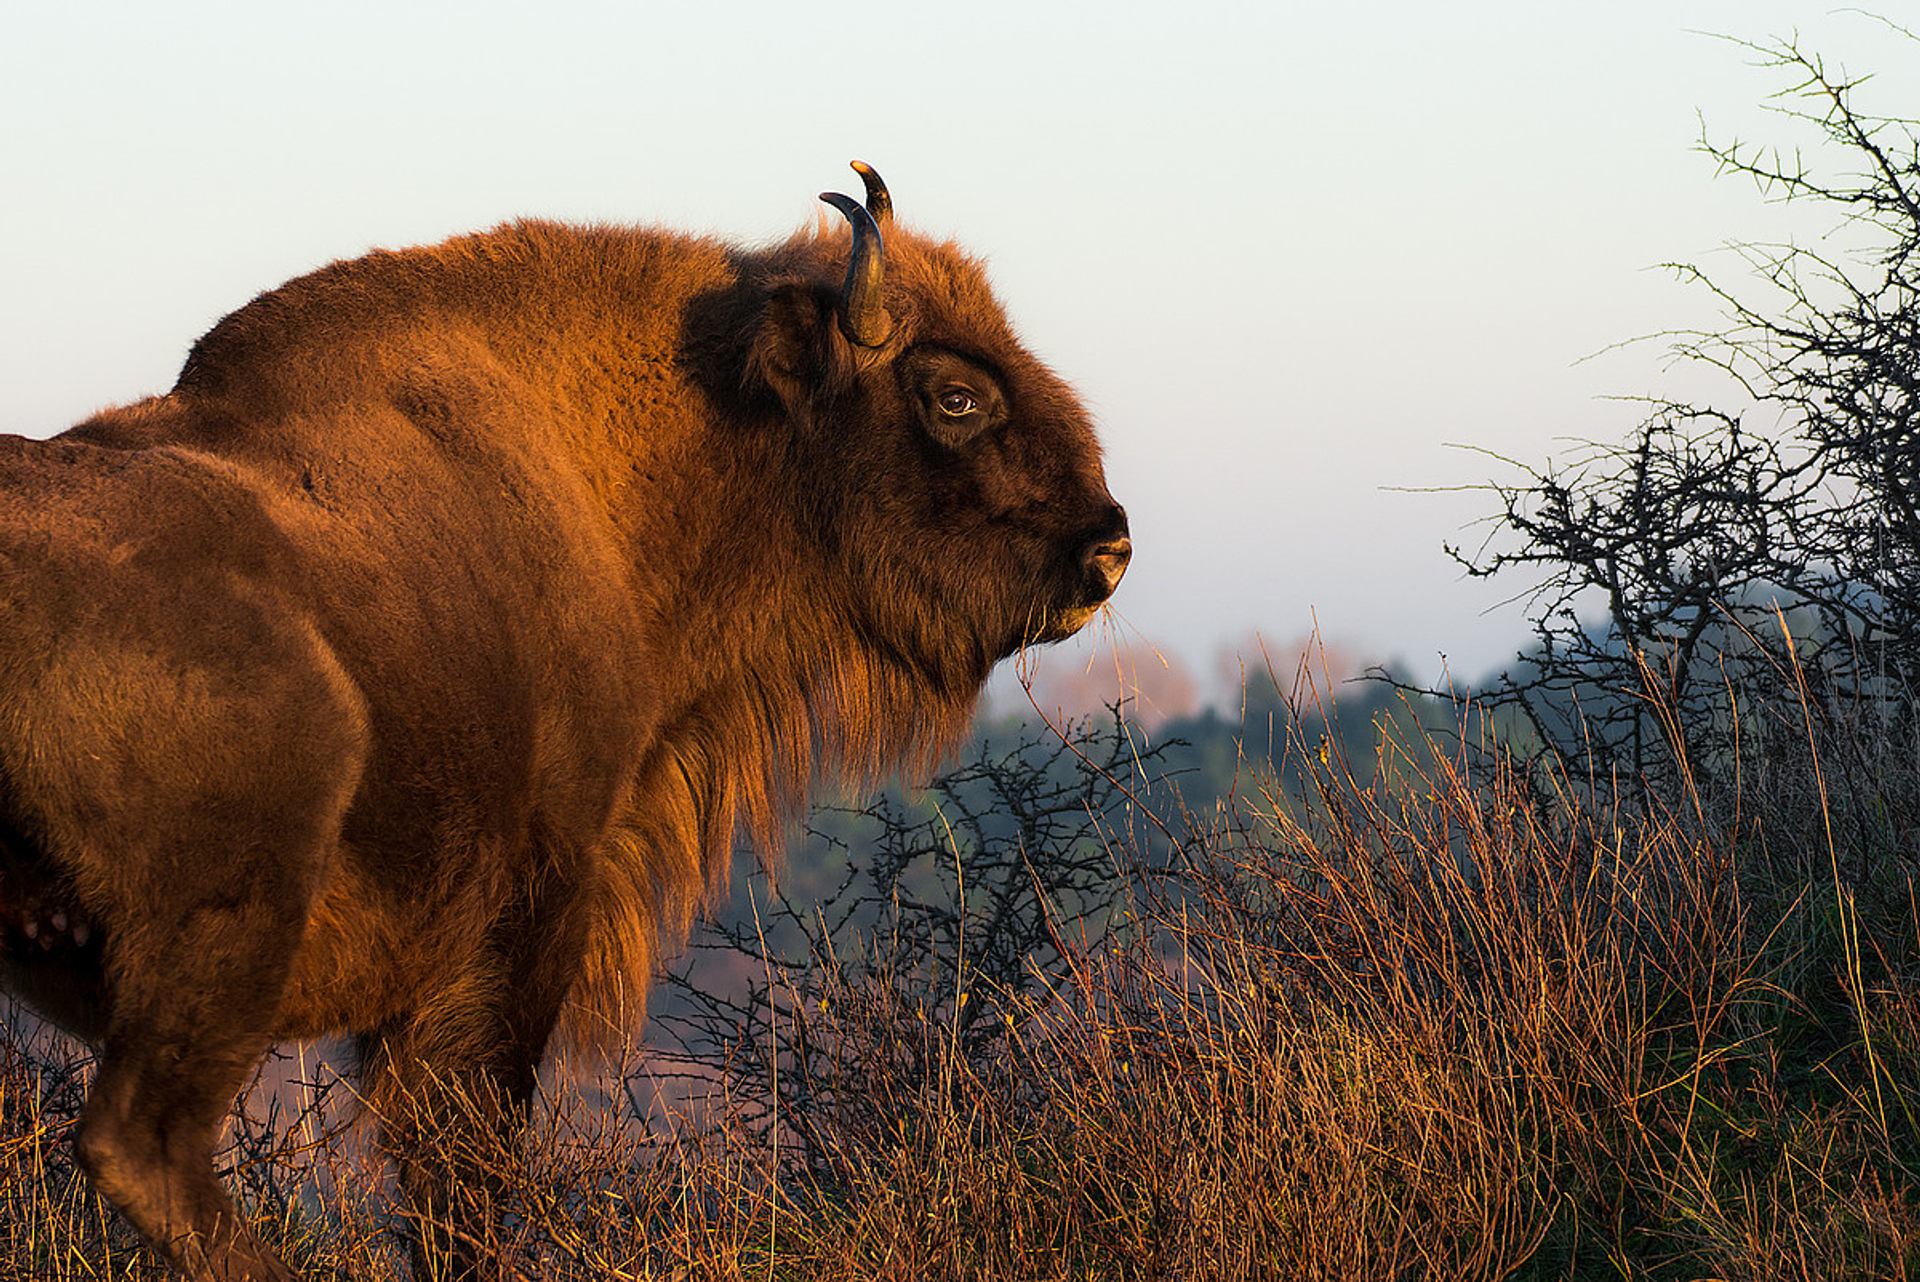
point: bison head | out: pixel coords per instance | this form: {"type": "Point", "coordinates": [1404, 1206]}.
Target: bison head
{"type": "Point", "coordinates": [967, 494]}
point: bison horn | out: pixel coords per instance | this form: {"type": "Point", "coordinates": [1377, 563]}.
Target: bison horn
{"type": "Point", "coordinates": [879, 203]}
{"type": "Point", "coordinates": [862, 317]}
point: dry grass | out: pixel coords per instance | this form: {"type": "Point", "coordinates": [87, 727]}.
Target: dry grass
{"type": "Point", "coordinates": [1412, 1025]}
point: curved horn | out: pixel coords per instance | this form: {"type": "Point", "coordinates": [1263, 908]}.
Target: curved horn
{"type": "Point", "coordinates": [879, 203]}
{"type": "Point", "coordinates": [862, 317]}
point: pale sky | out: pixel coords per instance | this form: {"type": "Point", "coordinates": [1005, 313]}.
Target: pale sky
{"type": "Point", "coordinates": [1288, 252]}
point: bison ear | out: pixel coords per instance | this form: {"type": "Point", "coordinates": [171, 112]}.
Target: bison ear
{"type": "Point", "coordinates": [798, 349]}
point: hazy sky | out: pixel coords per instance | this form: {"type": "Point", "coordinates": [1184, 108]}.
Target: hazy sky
{"type": "Point", "coordinates": [1289, 252]}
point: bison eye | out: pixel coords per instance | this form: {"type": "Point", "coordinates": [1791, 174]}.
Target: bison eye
{"type": "Point", "coordinates": [956, 402]}
{"type": "Point", "coordinates": [955, 397]}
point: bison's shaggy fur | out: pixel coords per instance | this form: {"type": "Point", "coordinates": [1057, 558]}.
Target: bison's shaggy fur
{"type": "Point", "coordinates": [408, 669]}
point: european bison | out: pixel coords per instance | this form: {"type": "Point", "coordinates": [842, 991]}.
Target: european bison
{"type": "Point", "coordinates": [409, 668]}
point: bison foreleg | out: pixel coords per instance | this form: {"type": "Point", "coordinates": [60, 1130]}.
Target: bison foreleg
{"type": "Point", "coordinates": [147, 1142]}
{"type": "Point", "coordinates": [456, 1088]}
{"type": "Point", "coordinates": [458, 1142]}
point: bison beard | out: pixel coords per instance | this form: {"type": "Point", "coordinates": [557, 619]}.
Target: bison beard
{"type": "Point", "coordinates": [409, 668]}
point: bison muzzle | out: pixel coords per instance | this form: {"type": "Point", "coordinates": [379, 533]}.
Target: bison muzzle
{"type": "Point", "coordinates": [409, 669]}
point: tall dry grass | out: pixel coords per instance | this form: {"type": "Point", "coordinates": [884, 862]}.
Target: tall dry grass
{"type": "Point", "coordinates": [1444, 1015]}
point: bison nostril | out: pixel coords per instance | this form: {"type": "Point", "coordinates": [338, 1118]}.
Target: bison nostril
{"type": "Point", "coordinates": [1107, 561]}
